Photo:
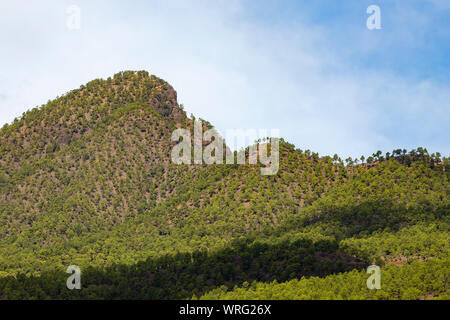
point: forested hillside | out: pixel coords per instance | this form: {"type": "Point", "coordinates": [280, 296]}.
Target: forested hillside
{"type": "Point", "coordinates": [87, 180]}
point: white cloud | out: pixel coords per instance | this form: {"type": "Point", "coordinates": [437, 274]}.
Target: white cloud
{"type": "Point", "coordinates": [226, 69]}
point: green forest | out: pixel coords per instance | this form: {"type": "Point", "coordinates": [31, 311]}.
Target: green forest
{"type": "Point", "coordinates": [87, 180]}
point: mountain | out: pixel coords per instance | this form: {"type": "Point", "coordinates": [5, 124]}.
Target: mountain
{"type": "Point", "coordinates": [88, 180]}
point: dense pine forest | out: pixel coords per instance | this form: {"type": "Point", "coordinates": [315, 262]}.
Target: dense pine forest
{"type": "Point", "coordinates": [87, 179]}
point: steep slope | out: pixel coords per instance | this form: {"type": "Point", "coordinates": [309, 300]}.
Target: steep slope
{"type": "Point", "coordinates": [92, 169]}
{"type": "Point", "coordinates": [87, 179]}
{"type": "Point", "coordinates": [111, 167]}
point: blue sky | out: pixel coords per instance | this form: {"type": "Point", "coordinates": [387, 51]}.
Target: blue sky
{"type": "Point", "coordinates": [311, 69]}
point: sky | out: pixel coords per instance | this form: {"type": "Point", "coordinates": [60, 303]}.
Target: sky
{"type": "Point", "coordinates": [311, 69]}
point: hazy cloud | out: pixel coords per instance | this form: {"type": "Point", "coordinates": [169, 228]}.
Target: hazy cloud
{"type": "Point", "coordinates": [237, 71]}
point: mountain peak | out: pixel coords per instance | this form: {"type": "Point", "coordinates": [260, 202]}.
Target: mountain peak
{"type": "Point", "coordinates": [67, 118]}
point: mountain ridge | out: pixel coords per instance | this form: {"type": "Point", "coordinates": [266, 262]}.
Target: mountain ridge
{"type": "Point", "coordinates": [87, 179]}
